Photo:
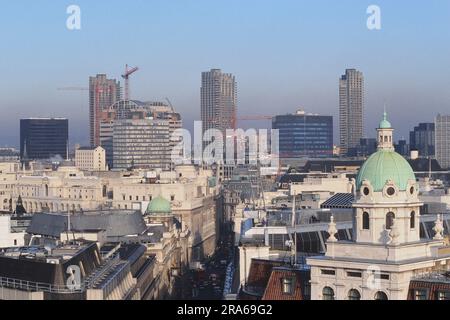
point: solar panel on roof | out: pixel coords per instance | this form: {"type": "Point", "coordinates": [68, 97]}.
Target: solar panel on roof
{"type": "Point", "coordinates": [339, 200]}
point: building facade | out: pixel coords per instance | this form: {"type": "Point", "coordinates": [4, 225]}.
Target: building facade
{"type": "Point", "coordinates": [141, 143]}
{"type": "Point", "coordinates": [103, 93]}
{"type": "Point", "coordinates": [386, 250]}
{"type": "Point", "coordinates": [422, 139]}
{"type": "Point", "coordinates": [90, 159]}
{"type": "Point", "coordinates": [442, 127]}
{"type": "Point", "coordinates": [133, 109]}
{"type": "Point", "coordinates": [43, 138]}
{"type": "Point", "coordinates": [218, 95]}
{"type": "Point", "coordinates": [351, 110]}
{"type": "Point", "coordinates": [304, 135]}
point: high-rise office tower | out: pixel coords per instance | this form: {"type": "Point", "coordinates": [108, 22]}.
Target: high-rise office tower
{"type": "Point", "coordinates": [351, 110]}
{"type": "Point", "coordinates": [141, 143]}
{"type": "Point", "coordinates": [43, 138]}
{"type": "Point", "coordinates": [103, 93]}
{"type": "Point", "coordinates": [422, 139]}
{"type": "Point", "coordinates": [134, 109]}
{"type": "Point", "coordinates": [442, 127]}
{"type": "Point", "coordinates": [304, 135]}
{"type": "Point", "coordinates": [218, 100]}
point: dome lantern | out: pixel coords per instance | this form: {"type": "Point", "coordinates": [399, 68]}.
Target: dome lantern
{"type": "Point", "coordinates": [385, 134]}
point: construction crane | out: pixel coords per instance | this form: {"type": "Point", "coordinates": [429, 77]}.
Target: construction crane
{"type": "Point", "coordinates": [128, 72]}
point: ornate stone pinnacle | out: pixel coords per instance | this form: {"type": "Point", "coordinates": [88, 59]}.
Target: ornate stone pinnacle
{"type": "Point", "coordinates": [438, 228]}
{"type": "Point", "coordinates": [332, 230]}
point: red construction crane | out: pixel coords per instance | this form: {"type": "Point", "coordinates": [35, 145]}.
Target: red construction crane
{"type": "Point", "coordinates": [126, 76]}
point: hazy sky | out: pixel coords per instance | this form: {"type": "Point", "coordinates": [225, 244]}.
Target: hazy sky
{"type": "Point", "coordinates": [285, 55]}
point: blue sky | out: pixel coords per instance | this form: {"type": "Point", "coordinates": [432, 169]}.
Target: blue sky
{"type": "Point", "coordinates": [285, 55]}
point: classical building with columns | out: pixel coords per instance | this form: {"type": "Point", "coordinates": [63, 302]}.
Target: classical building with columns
{"type": "Point", "coordinates": [386, 251]}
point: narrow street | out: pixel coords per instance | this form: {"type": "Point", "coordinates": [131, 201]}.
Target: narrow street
{"type": "Point", "coordinates": [208, 283]}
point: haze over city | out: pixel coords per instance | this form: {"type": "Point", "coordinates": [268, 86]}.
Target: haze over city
{"type": "Point", "coordinates": [285, 55]}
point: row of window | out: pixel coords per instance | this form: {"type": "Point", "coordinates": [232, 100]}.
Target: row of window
{"type": "Point", "coordinates": [390, 216]}
{"type": "Point", "coordinates": [144, 198]}
{"type": "Point", "coordinates": [422, 294]}
{"type": "Point", "coordinates": [354, 274]}
{"type": "Point", "coordinates": [353, 294]}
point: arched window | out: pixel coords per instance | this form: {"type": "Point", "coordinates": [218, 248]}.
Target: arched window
{"type": "Point", "coordinates": [46, 190]}
{"type": "Point", "coordinates": [390, 220]}
{"type": "Point", "coordinates": [412, 220]}
{"type": "Point", "coordinates": [354, 295]}
{"type": "Point", "coordinates": [327, 293]}
{"type": "Point", "coordinates": [366, 221]}
{"type": "Point", "coordinates": [380, 295]}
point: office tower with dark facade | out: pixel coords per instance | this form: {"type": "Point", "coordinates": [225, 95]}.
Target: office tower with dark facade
{"type": "Point", "coordinates": [103, 93]}
{"type": "Point", "coordinates": [304, 135]}
{"type": "Point", "coordinates": [402, 147]}
{"type": "Point", "coordinates": [351, 110]}
{"type": "Point", "coordinates": [218, 95]}
{"type": "Point", "coordinates": [43, 138]}
{"type": "Point", "coordinates": [422, 139]}
{"type": "Point", "coordinates": [366, 147]}
{"type": "Point", "coordinates": [442, 127]}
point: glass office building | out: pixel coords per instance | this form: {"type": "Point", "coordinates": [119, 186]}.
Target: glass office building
{"type": "Point", "coordinates": [304, 135]}
{"type": "Point", "coordinates": [43, 138]}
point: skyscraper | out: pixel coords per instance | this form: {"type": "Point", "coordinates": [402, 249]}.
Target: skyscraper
{"type": "Point", "coordinates": [351, 110]}
{"type": "Point", "coordinates": [442, 127]}
{"type": "Point", "coordinates": [218, 100]}
{"type": "Point", "coordinates": [43, 138]}
{"type": "Point", "coordinates": [141, 143]}
{"type": "Point", "coordinates": [134, 109]}
{"type": "Point", "coordinates": [304, 135]}
{"type": "Point", "coordinates": [422, 139]}
{"type": "Point", "coordinates": [103, 93]}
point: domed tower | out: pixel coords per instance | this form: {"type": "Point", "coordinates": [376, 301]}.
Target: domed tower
{"type": "Point", "coordinates": [159, 211]}
{"type": "Point", "coordinates": [387, 206]}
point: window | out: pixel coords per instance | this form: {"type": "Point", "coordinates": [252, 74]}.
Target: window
{"type": "Point", "coordinates": [172, 198]}
{"type": "Point", "coordinates": [366, 221]}
{"type": "Point", "coordinates": [411, 190]}
{"type": "Point", "coordinates": [443, 295]}
{"type": "Point", "coordinates": [366, 191]}
{"type": "Point", "coordinates": [420, 294]}
{"type": "Point", "coordinates": [384, 276]}
{"type": "Point", "coordinates": [288, 285]}
{"type": "Point", "coordinates": [354, 274]}
{"type": "Point", "coordinates": [412, 220]}
{"type": "Point", "coordinates": [390, 220]}
{"type": "Point", "coordinates": [354, 294]}
{"type": "Point", "coordinates": [328, 272]}
{"type": "Point", "coordinates": [390, 191]}
{"type": "Point", "coordinates": [380, 295]}
{"type": "Point", "coordinates": [327, 293]}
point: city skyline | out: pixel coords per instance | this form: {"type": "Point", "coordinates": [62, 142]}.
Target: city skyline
{"type": "Point", "coordinates": [395, 60]}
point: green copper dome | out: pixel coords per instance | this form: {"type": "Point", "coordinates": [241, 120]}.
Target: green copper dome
{"type": "Point", "coordinates": [159, 205]}
{"type": "Point", "coordinates": [385, 165]}
{"type": "Point", "coordinates": [385, 124]}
